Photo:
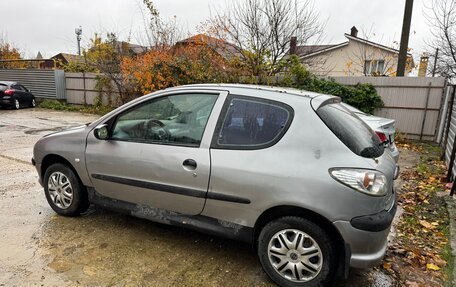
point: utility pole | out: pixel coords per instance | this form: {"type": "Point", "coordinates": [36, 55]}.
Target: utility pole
{"type": "Point", "coordinates": [78, 32]}
{"type": "Point", "coordinates": [404, 38]}
{"type": "Point", "coordinates": [435, 61]}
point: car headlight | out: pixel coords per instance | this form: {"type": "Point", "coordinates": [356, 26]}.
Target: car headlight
{"type": "Point", "coordinates": [370, 182]}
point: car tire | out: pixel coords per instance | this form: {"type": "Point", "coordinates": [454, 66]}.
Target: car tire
{"type": "Point", "coordinates": [293, 245]}
{"type": "Point", "coordinates": [33, 103]}
{"type": "Point", "coordinates": [64, 191]}
{"type": "Point", "coordinates": [17, 104]}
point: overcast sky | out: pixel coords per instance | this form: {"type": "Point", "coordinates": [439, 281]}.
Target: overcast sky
{"type": "Point", "coordinates": [48, 25]}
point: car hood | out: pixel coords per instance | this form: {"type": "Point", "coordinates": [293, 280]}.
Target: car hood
{"type": "Point", "coordinates": [68, 131]}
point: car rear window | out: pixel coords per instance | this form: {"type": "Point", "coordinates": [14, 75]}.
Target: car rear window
{"type": "Point", "coordinates": [351, 130]}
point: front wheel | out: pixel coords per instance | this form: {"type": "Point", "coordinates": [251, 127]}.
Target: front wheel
{"type": "Point", "coordinates": [296, 252]}
{"type": "Point", "coordinates": [64, 191]}
{"type": "Point", "coordinates": [33, 103]}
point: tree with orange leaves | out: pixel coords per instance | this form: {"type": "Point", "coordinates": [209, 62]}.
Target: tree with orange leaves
{"type": "Point", "coordinates": [193, 63]}
{"type": "Point", "coordinates": [9, 52]}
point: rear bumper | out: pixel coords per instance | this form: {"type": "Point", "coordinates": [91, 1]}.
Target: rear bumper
{"type": "Point", "coordinates": [6, 102]}
{"type": "Point", "coordinates": [367, 237]}
{"type": "Point", "coordinates": [394, 152]}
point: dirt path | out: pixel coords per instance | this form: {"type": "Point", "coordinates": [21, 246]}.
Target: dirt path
{"type": "Point", "coordinates": [102, 248]}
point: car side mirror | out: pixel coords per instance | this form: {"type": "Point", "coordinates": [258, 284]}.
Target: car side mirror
{"type": "Point", "coordinates": [101, 132]}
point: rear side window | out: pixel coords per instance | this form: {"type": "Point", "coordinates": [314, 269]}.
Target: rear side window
{"type": "Point", "coordinates": [252, 123]}
{"type": "Point", "coordinates": [351, 130]}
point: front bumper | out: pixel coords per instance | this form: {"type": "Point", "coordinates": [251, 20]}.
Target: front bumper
{"type": "Point", "coordinates": [38, 169]}
{"type": "Point", "coordinates": [367, 236]}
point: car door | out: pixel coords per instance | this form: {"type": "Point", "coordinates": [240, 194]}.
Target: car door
{"type": "Point", "coordinates": [20, 94]}
{"type": "Point", "coordinates": [246, 164]}
{"type": "Point", "coordinates": [27, 94]}
{"type": "Point", "coordinates": [157, 154]}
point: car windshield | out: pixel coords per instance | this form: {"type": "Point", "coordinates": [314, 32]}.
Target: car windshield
{"type": "Point", "coordinates": [351, 130]}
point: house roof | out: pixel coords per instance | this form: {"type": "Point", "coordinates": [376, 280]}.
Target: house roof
{"type": "Point", "coordinates": [314, 50]}
{"type": "Point", "coordinates": [361, 40]}
{"type": "Point", "coordinates": [309, 49]}
{"type": "Point", "coordinates": [222, 47]}
{"type": "Point", "coordinates": [135, 48]}
{"type": "Point", "coordinates": [69, 57]}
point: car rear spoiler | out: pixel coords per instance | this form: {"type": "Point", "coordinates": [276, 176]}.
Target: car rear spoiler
{"type": "Point", "coordinates": [322, 100]}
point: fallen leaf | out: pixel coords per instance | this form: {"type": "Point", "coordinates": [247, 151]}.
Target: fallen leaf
{"type": "Point", "coordinates": [431, 266]}
{"type": "Point", "coordinates": [426, 224]}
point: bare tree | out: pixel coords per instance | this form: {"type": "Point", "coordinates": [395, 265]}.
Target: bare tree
{"type": "Point", "coordinates": [105, 56]}
{"type": "Point", "coordinates": [441, 16]}
{"type": "Point", "coordinates": [261, 30]}
{"type": "Point", "coordinates": [159, 33]}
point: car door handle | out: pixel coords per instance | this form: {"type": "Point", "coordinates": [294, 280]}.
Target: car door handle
{"type": "Point", "coordinates": [190, 164]}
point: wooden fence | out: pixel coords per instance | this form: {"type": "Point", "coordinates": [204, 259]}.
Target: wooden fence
{"type": "Point", "coordinates": [415, 103]}
{"type": "Point", "coordinates": [81, 89]}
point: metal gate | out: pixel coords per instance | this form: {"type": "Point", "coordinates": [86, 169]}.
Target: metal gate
{"type": "Point", "coordinates": [49, 84]}
{"type": "Point", "coordinates": [449, 131]}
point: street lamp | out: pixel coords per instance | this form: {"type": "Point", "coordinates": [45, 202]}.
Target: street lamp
{"type": "Point", "coordinates": [78, 32]}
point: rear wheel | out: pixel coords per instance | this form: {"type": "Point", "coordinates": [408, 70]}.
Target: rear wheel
{"type": "Point", "coordinates": [296, 252]}
{"type": "Point", "coordinates": [17, 104]}
{"type": "Point", "coordinates": [64, 191]}
{"type": "Point", "coordinates": [33, 103]}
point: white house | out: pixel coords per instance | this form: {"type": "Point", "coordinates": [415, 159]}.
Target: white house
{"type": "Point", "coordinates": [354, 57]}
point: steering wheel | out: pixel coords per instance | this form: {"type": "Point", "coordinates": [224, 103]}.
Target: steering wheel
{"type": "Point", "coordinates": [156, 130]}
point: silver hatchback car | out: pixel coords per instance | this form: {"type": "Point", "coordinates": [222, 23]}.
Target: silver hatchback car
{"type": "Point", "coordinates": [294, 173]}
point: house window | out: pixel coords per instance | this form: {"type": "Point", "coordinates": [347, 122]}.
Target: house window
{"type": "Point", "coordinates": [374, 67]}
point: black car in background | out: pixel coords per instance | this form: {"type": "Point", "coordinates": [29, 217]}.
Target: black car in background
{"type": "Point", "coordinates": [15, 95]}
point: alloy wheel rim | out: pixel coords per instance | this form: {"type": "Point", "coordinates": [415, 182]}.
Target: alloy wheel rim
{"type": "Point", "coordinates": [295, 255]}
{"type": "Point", "coordinates": [16, 103]}
{"type": "Point", "coordinates": [33, 103]}
{"type": "Point", "coordinates": [60, 190]}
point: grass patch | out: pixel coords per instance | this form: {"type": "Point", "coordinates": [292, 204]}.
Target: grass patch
{"type": "Point", "coordinates": [421, 254]}
{"type": "Point", "coordinates": [60, 106]}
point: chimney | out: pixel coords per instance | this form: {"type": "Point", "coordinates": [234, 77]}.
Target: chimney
{"type": "Point", "coordinates": [293, 45]}
{"type": "Point", "coordinates": [424, 61]}
{"type": "Point", "coordinates": [354, 31]}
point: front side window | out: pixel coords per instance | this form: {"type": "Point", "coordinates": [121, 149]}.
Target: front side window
{"type": "Point", "coordinates": [251, 123]}
{"type": "Point", "coordinates": [174, 120]}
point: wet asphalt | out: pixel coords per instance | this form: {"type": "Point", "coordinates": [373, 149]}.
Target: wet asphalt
{"type": "Point", "coordinates": [103, 248]}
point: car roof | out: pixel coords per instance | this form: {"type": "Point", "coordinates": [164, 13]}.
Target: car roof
{"type": "Point", "coordinates": [233, 87]}
{"type": "Point", "coordinates": [8, 83]}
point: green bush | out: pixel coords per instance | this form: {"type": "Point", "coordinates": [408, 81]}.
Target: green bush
{"type": "Point", "coordinates": [361, 96]}
{"type": "Point", "coordinates": [60, 106]}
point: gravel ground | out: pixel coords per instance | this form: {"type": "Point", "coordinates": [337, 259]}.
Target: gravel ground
{"type": "Point", "coordinates": [102, 248]}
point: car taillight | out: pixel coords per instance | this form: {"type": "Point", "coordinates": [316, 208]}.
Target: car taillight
{"type": "Point", "coordinates": [382, 137]}
{"type": "Point", "coordinates": [370, 182]}
{"type": "Point", "coordinates": [9, 92]}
